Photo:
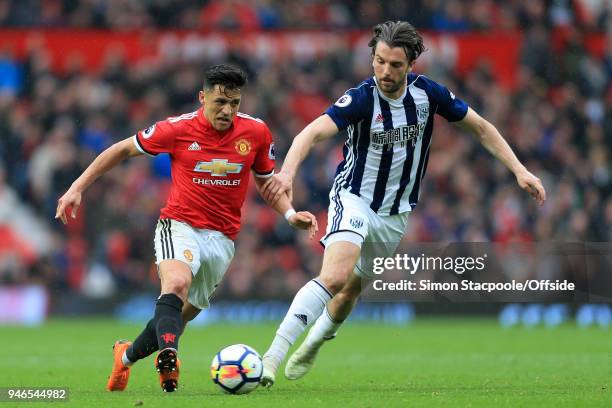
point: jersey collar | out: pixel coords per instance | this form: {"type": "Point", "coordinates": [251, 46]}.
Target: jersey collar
{"type": "Point", "coordinates": [202, 119]}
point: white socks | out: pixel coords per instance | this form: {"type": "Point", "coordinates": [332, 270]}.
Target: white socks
{"type": "Point", "coordinates": [325, 328]}
{"type": "Point", "coordinates": [307, 306]}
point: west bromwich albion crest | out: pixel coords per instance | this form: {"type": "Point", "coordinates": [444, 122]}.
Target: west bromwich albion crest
{"type": "Point", "coordinates": [422, 111]}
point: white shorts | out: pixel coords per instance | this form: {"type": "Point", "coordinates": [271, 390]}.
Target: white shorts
{"type": "Point", "coordinates": [351, 219]}
{"type": "Point", "coordinates": [207, 253]}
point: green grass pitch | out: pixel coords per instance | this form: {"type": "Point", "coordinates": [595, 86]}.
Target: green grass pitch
{"type": "Point", "coordinates": [430, 363]}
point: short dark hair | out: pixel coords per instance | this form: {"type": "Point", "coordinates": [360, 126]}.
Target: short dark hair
{"type": "Point", "coordinates": [228, 76]}
{"type": "Point", "coordinates": [398, 34]}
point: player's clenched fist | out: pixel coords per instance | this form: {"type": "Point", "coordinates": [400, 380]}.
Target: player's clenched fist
{"type": "Point", "coordinates": [71, 199]}
{"type": "Point", "coordinates": [304, 220]}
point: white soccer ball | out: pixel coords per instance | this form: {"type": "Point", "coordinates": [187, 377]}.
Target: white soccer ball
{"type": "Point", "coordinates": [237, 369]}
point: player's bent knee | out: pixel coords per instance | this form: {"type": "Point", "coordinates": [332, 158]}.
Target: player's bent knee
{"type": "Point", "coordinates": [175, 278]}
{"type": "Point", "coordinates": [339, 262]}
{"type": "Point", "coordinates": [333, 283]}
{"type": "Point", "coordinates": [335, 279]}
{"type": "Point", "coordinates": [178, 285]}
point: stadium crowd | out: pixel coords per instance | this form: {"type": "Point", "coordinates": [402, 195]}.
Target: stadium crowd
{"type": "Point", "coordinates": [445, 15]}
{"type": "Point", "coordinates": [558, 118]}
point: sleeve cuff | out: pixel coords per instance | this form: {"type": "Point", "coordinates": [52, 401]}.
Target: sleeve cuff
{"type": "Point", "coordinates": [340, 123]}
{"type": "Point", "coordinates": [263, 175]}
{"type": "Point", "coordinates": [140, 148]}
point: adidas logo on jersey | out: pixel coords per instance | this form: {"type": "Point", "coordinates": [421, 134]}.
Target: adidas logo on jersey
{"type": "Point", "coordinates": [194, 146]}
{"type": "Point", "coordinates": [379, 118]}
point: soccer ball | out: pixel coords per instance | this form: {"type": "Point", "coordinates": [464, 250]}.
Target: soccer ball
{"type": "Point", "coordinates": [237, 369]}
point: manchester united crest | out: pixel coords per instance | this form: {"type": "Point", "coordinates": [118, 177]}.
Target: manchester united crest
{"type": "Point", "coordinates": [243, 147]}
{"type": "Point", "coordinates": [188, 255]}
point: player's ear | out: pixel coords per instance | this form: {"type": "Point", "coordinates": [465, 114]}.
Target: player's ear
{"type": "Point", "coordinates": [201, 97]}
{"type": "Point", "coordinates": [411, 65]}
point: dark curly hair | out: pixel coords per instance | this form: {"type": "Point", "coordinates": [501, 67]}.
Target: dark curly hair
{"type": "Point", "coordinates": [398, 34]}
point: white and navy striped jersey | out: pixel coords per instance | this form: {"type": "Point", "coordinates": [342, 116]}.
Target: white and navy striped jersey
{"type": "Point", "coordinates": [387, 149]}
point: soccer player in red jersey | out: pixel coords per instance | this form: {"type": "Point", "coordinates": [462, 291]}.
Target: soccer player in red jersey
{"type": "Point", "coordinates": [212, 151]}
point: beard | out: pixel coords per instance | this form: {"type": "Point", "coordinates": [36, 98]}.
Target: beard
{"type": "Point", "coordinates": [390, 87]}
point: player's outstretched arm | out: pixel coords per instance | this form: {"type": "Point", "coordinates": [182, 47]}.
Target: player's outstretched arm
{"type": "Point", "coordinates": [108, 159]}
{"type": "Point", "coordinates": [319, 129]}
{"type": "Point", "coordinates": [493, 141]}
{"type": "Point", "coordinates": [300, 220]}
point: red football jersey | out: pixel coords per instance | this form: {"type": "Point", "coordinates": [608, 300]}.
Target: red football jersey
{"type": "Point", "coordinates": [210, 169]}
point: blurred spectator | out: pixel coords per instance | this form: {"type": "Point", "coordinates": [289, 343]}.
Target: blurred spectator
{"type": "Point", "coordinates": [450, 17]}
{"type": "Point", "coordinates": [445, 15]}
{"type": "Point", "coordinates": [10, 74]}
{"type": "Point", "coordinates": [230, 15]}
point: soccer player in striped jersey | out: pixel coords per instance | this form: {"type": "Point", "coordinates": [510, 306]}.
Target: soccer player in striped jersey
{"type": "Point", "coordinates": [389, 120]}
{"type": "Point", "coordinates": [213, 151]}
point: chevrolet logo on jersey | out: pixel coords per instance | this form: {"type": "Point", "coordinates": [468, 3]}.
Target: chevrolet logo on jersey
{"type": "Point", "coordinates": [218, 167]}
